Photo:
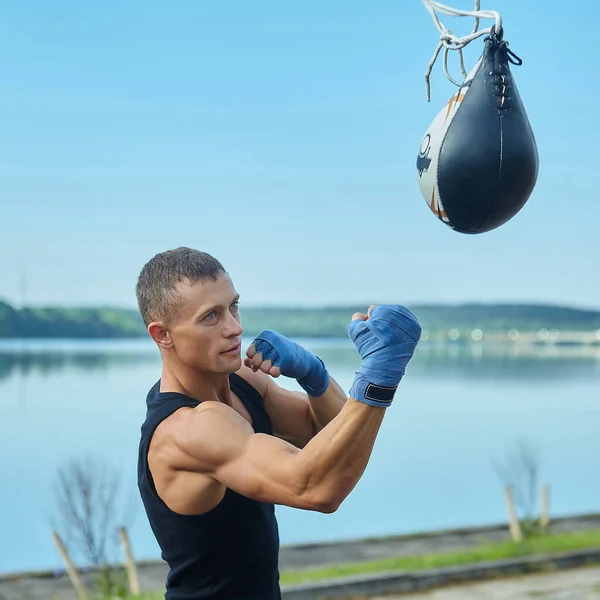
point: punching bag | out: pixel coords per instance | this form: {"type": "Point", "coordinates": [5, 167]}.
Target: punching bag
{"type": "Point", "coordinates": [478, 162]}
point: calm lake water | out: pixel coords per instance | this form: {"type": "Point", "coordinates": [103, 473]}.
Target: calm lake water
{"type": "Point", "coordinates": [458, 410]}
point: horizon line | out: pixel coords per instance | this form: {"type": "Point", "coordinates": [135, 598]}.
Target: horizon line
{"type": "Point", "coordinates": [324, 306]}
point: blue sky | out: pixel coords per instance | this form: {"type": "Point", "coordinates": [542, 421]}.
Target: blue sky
{"type": "Point", "coordinates": [281, 137]}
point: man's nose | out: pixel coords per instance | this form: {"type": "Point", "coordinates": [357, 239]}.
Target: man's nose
{"type": "Point", "coordinates": [232, 327]}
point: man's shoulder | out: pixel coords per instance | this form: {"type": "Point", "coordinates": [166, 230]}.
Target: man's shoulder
{"type": "Point", "coordinates": [194, 431]}
{"type": "Point", "coordinates": [187, 416]}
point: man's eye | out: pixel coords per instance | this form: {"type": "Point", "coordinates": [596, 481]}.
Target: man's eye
{"type": "Point", "coordinates": [235, 306]}
{"type": "Point", "coordinates": [210, 315]}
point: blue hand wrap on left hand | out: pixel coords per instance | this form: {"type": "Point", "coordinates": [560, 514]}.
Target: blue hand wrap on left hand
{"type": "Point", "coordinates": [293, 361]}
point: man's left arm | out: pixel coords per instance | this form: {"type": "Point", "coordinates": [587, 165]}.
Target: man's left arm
{"type": "Point", "coordinates": [326, 407]}
{"type": "Point", "coordinates": [288, 409]}
{"type": "Point", "coordinates": [296, 416]}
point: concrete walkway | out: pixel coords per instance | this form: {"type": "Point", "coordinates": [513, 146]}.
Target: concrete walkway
{"type": "Point", "coordinates": [575, 584]}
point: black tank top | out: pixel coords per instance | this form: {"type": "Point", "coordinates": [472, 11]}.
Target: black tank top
{"type": "Point", "coordinates": [229, 553]}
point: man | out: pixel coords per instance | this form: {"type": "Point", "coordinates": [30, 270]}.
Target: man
{"type": "Point", "coordinates": [222, 443]}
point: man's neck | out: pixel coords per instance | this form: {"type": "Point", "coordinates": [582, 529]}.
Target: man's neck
{"type": "Point", "coordinates": [204, 387]}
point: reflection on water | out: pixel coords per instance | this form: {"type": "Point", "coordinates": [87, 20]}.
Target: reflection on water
{"type": "Point", "coordinates": [45, 359]}
{"type": "Point", "coordinates": [477, 361]}
{"type": "Point", "coordinates": [504, 362]}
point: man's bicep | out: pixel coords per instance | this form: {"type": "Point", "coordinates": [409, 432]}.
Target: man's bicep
{"type": "Point", "coordinates": [264, 471]}
{"type": "Point", "coordinates": [258, 466]}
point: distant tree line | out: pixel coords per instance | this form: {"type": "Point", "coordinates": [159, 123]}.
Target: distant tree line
{"type": "Point", "coordinates": [69, 323]}
{"type": "Point", "coordinates": [294, 321]}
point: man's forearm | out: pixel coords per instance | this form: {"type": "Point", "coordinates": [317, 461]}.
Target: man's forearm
{"type": "Point", "coordinates": [331, 464]}
{"type": "Point", "coordinates": [326, 407]}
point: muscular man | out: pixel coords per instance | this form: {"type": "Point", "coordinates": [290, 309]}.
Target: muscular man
{"type": "Point", "coordinates": [222, 443]}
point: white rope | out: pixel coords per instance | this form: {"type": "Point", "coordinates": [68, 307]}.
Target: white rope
{"type": "Point", "coordinates": [449, 41]}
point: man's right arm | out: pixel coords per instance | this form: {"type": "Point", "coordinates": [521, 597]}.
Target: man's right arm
{"type": "Point", "coordinates": [218, 442]}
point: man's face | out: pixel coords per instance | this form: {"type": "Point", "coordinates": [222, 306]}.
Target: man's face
{"type": "Point", "coordinates": [206, 336]}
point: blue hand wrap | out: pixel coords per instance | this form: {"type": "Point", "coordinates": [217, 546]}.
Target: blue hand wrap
{"type": "Point", "coordinates": [386, 342]}
{"type": "Point", "coordinates": [293, 361]}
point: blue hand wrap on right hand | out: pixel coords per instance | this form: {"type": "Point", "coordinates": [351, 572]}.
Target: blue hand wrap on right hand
{"type": "Point", "coordinates": [386, 343]}
{"type": "Point", "coordinates": [293, 361]}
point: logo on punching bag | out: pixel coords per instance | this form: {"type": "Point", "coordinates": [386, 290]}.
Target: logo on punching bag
{"type": "Point", "coordinates": [423, 160]}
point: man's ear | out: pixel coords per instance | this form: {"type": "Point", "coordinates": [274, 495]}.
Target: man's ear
{"type": "Point", "coordinates": [159, 332]}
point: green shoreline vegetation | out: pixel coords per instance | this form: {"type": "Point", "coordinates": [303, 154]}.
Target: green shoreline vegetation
{"type": "Point", "coordinates": [544, 544]}
{"type": "Point", "coordinates": [326, 322]}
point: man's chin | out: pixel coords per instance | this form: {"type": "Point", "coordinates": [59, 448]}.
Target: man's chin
{"type": "Point", "coordinates": [231, 365]}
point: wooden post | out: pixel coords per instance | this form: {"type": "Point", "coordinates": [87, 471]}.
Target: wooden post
{"type": "Point", "coordinates": [514, 527]}
{"type": "Point", "coordinates": [134, 583]}
{"type": "Point", "coordinates": [81, 593]}
{"type": "Point", "coordinates": [545, 513]}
